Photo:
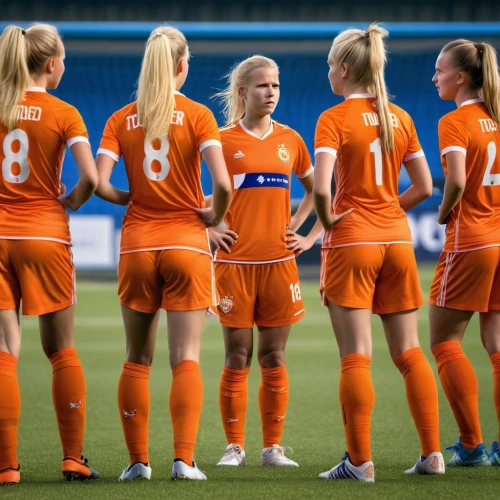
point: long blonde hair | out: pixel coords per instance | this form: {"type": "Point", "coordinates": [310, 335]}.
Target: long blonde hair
{"type": "Point", "coordinates": [365, 54]}
{"type": "Point", "coordinates": [479, 61]}
{"type": "Point", "coordinates": [23, 54]}
{"type": "Point", "coordinates": [165, 47]}
{"type": "Point", "coordinates": [238, 77]}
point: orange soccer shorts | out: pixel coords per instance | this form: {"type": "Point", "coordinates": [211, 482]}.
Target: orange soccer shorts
{"type": "Point", "coordinates": [382, 277]}
{"type": "Point", "coordinates": [267, 294]}
{"type": "Point", "coordinates": [468, 281]}
{"type": "Point", "coordinates": [39, 272]}
{"type": "Point", "coordinates": [175, 280]}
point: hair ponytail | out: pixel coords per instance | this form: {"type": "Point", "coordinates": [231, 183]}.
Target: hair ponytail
{"type": "Point", "coordinates": [233, 105]}
{"type": "Point", "coordinates": [155, 93]}
{"type": "Point", "coordinates": [490, 90]}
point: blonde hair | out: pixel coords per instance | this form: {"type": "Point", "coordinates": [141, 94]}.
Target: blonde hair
{"type": "Point", "coordinates": [238, 77]}
{"type": "Point", "coordinates": [23, 54]}
{"type": "Point", "coordinates": [479, 61]}
{"type": "Point", "coordinates": [165, 47]}
{"type": "Point", "coordinates": [365, 54]}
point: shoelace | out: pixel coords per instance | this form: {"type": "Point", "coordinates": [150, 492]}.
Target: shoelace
{"type": "Point", "coordinates": [282, 450]}
{"type": "Point", "coordinates": [456, 447]}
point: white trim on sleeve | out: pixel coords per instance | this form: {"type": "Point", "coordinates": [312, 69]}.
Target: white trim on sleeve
{"type": "Point", "coordinates": [210, 142]}
{"type": "Point", "coordinates": [107, 152]}
{"type": "Point", "coordinates": [330, 151]}
{"type": "Point", "coordinates": [76, 139]}
{"type": "Point", "coordinates": [309, 171]}
{"type": "Point", "coordinates": [450, 149]}
{"type": "Point", "coordinates": [412, 156]}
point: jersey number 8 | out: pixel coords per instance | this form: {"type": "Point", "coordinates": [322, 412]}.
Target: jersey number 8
{"type": "Point", "coordinates": [20, 157]}
{"type": "Point", "coordinates": [160, 155]}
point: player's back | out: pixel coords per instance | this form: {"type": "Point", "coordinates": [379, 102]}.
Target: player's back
{"type": "Point", "coordinates": [164, 175]}
{"type": "Point", "coordinates": [475, 221]}
{"type": "Point", "coordinates": [32, 156]}
{"type": "Point", "coordinates": [366, 177]}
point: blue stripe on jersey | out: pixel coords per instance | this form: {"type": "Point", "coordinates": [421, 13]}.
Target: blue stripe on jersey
{"type": "Point", "coordinates": [264, 179]}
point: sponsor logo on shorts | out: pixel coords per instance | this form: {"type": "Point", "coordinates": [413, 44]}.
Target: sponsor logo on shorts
{"type": "Point", "coordinates": [226, 303]}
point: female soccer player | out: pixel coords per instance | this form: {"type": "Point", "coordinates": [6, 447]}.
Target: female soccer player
{"type": "Point", "coordinates": [258, 280]}
{"type": "Point", "coordinates": [165, 259]}
{"type": "Point", "coordinates": [467, 277]}
{"type": "Point", "coordinates": [368, 263]}
{"type": "Point", "coordinates": [36, 264]}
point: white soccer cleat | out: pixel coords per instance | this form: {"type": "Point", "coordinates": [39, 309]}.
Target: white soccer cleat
{"type": "Point", "coordinates": [346, 470]}
{"type": "Point", "coordinates": [433, 464]}
{"type": "Point", "coordinates": [136, 471]}
{"type": "Point", "coordinates": [275, 457]}
{"type": "Point", "coordinates": [234, 455]}
{"type": "Point", "coordinates": [181, 470]}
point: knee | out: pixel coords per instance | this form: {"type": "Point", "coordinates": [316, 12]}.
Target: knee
{"type": "Point", "coordinates": [140, 359]}
{"type": "Point", "coordinates": [272, 359]}
{"type": "Point", "coordinates": [239, 359]}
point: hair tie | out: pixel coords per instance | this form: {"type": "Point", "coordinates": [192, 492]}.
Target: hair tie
{"type": "Point", "coordinates": [23, 32]}
{"type": "Point", "coordinates": [479, 48]}
{"type": "Point", "coordinates": [367, 34]}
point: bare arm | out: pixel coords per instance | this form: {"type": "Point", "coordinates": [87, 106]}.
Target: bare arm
{"type": "Point", "coordinates": [421, 183]}
{"type": "Point", "coordinates": [454, 185]}
{"type": "Point", "coordinates": [87, 183]}
{"type": "Point", "coordinates": [105, 190]}
{"type": "Point", "coordinates": [221, 184]}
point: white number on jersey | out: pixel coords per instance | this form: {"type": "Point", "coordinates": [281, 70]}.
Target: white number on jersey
{"type": "Point", "coordinates": [295, 289]}
{"type": "Point", "coordinates": [490, 179]}
{"type": "Point", "coordinates": [160, 155]}
{"type": "Point", "coordinates": [21, 157]}
{"type": "Point", "coordinates": [376, 149]}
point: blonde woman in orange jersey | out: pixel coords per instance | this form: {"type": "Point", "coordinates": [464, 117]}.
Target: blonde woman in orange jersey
{"type": "Point", "coordinates": [467, 277]}
{"type": "Point", "coordinates": [36, 264]}
{"type": "Point", "coordinates": [258, 279]}
{"type": "Point", "coordinates": [368, 263]}
{"type": "Point", "coordinates": [165, 259]}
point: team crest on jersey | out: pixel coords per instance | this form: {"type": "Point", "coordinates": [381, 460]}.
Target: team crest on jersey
{"type": "Point", "coordinates": [226, 303]}
{"type": "Point", "coordinates": [283, 153]}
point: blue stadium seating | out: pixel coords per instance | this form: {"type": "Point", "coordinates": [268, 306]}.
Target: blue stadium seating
{"type": "Point", "coordinates": [99, 85]}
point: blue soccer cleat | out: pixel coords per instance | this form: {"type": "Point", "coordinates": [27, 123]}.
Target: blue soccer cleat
{"type": "Point", "coordinates": [346, 470]}
{"type": "Point", "coordinates": [462, 457]}
{"type": "Point", "coordinates": [495, 454]}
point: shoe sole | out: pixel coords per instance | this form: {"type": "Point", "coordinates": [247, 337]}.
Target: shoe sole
{"type": "Point", "coordinates": [483, 463]}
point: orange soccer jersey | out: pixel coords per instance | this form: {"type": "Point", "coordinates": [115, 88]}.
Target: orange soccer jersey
{"type": "Point", "coordinates": [32, 156]}
{"type": "Point", "coordinates": [260, 169]}
{"type": "Point", "coordinates": [164, 177]}
{"type": "Point", "coordinates": [475, 220]}
{"type": "Point", "coordinates": [366, 177]}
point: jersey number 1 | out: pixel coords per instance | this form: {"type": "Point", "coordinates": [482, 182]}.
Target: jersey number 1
{"type": "Point", "coordinates": [160, 155]}
{"type": "Point", "coordinates": [376, 149]}
{"type": "Point", "coordinates": [490, 179]}
{"type": "Point", "coordinates": [20, 157]}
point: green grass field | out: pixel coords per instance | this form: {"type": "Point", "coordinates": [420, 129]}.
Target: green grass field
{"type": "Point", "coordinates": [313, 426]}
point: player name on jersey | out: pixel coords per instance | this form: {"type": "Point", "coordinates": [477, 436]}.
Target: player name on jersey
{"type": "Point", "coordinates": [33, 113]}
{"type": "Point", "coordinates": [177, 119]}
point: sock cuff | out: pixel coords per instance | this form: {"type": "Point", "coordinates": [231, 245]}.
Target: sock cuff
{"type": "Point", "coordinates": [355, 360]}
{"type": "Point", "coordinates": [8, 362]}
{"type": "Point", "coordinates": [275, 372]}
{"type": "Point", "coordinates": [495, 361]}
{"type": "Point", "coordinates": [447, 351]}
{"type": "Point", "coordinates": [185, 365]}
{"type": "Point", "coordinates": [235, 375]}
{"type": "Point", "coordinates": [64, 358]}
{"type": "Point", "coordinates": [135, 370]}
{"type": "Point", "coordinates": [405, 361]}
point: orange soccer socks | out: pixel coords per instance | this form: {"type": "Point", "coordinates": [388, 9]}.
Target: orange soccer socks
{"type": "Point", "coordinates": [186, 402]}
{"type": "Point", "coordinates": [357, 398]}
{"type": "Point", "coordinates": [460, 386]}
{"type": "Point", "coordinates": [133, 405]}
{"type": "Point", "coordinates": [233, 401]}
{"type": "Point", "coordinates": [495, 361]}
{"type": "Point", "coordinates": [10, 411]}
{"type": "Point", "coordinates": [421, 393]}
{"type": "Point", "coordinates": [69, 395]}
{"type": "Point", "coordinates": [273, 403]}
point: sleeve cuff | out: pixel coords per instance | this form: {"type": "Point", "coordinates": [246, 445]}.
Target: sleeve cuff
{"type": "Point", "coordinates": [211, 142]}
{"type": "Point", "coordinates": [309, 171]}
{"type": "Point", "coordinates": [412, 156]}
{"type": "Point", "coordinates": [330, 151]}
{"type": "Point", "coordinates": [74, 140]}
{"type": "Point", "coordinates": [107, 152]}
{"type": "Point", "coordinates": [450, 149]}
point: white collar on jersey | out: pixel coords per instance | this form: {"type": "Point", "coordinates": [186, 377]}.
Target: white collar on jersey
{"type": "Point", "coordinates": [360, 96]}
{"type": "Point", "coordinates": [33, 88]}
{"type": "Point", "coordinates": [176, 92]}
{"type": "Point", "coordinates": [471, 101]}
{"type": "Point", "coordinates": [249, 132]}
